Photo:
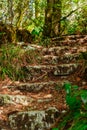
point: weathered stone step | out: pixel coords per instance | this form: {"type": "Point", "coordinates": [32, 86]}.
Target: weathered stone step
{"type": "Point", "coordinates": [64, 50]}
{"type": "Point", "coordinates": [74, 37]}
{"type": "Point", "coordinates": [71, 40]}
{"type": "Point", "coordinates": [30, 101]}
{"type": "Point", "coordinates": [39, 72]}
{"type": "Point", "coordinates": [57, 50]}
{"type": "Point", "coordinates": [65, 58]}
{"type": "Point", "coordinates": [14, 99]}
{"type": "Point", "coordinates": [40, 86]}
{"type": "Point", "coordinates": [70, 43]}
{"type": "Point", "coordinates": [34, 120]}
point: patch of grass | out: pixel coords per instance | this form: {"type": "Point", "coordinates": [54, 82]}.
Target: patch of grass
{"type": "Point", "coordinates": [9, 60]}
{"type": "Point", "coordinates": [13, 59]}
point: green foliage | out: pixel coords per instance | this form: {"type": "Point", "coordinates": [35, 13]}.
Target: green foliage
{"type": "Point", "coordinates": [72, 98]}
{"type": "Point", "coordinates": [72, 28]}
{"type": "Point", "coordinates": [9, 56]}
{"type": "Point", "coordinates": [84, 55]}
{"type": "Point", "coordinates": [14, 59]}
{"type": "Point", "coordinates": [36, 31]}
{"type": "Point", "coordinates": [76, 117]}
{"type": "Point", "coordinates": [55, 129]}
{"type": "Point", "coordinates": [31, 15]}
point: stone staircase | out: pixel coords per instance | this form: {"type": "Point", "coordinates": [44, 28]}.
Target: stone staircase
{"type": "Point", "coordinates": [36, 103]}
{"type": "Point", "coordinates": [70, 40]}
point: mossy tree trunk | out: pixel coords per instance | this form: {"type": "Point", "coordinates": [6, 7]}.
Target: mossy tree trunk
{"type": "Point", "coordinates": [10, 11]}
{"type": "Point", "coordinates": [56, 18]}
{"type": "Point", "coordinates": [48, 19]}
{"type": "Point", "coordinates": [52, 24]}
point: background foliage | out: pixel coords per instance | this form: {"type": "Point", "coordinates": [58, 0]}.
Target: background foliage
{"type": "Point", "coordinates": [30, 14]}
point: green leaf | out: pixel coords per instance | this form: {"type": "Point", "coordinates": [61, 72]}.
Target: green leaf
{"type": "Point", "coordinates": [80, 125]}
{"type": "Point", "coordinates": [73, 102]}
{"type": "Point", "coordinates": [84, 97]}
{"type": "Point", "coordinates": [67, 87]}
{"type": "Point", "coordinates": [75, 87]}
{"type": "Point", "coordinates": [55, 129]}
{"type": "Point", "coordinates": [36, 31]}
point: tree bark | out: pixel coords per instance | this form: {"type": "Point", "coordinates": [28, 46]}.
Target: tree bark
{"type": "Point", "coordinates": [48, 19]}
{"type": "Point", "coordinates": [56, 26]}
{"type": "Point", "coordinates": [52, 14]}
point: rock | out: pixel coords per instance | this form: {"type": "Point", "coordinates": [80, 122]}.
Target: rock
{"type": "Point", "coordinates": [69, 40]}
{"type": "Point", "coordinates": [15, 99]}
{"type": "Point", "coordinates": [67, 58]}
{"type": "Point", "coordinates": [65, 69]}
{"type": "Point", "coordinates": [41, 70]}
{"type": "Point", "coordinates": [36, 87]}
{"type": "Point", "coordinates": [33, 120]}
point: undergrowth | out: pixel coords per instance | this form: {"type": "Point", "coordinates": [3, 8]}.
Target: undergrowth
{"type": "Point", "coordinates": [76, 116]}
{"type": "Point", "coordinates": [13, 59]}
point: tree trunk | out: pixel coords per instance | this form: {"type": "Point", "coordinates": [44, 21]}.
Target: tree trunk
{"type": "Point", "coordinates": [48, 19]}
{"type": "Point", "coordinates": [10, 11]}
{"type": "Point", "coordinates": [52, 24]}
{"type": "Point", "coordinates": [56, 24]}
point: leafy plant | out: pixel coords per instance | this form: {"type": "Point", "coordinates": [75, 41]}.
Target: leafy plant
{"type": "Point", "coordinates": [36, 31]}
{"type": "Point", "coordinates": [84, 55]}
{"type": "Point", "coordinates": [55, 129]}
{"type": "Point", "coordinates": [72, 98]}
{"type": "Point", "coordinates": [72, 29]}
{"type": "Point", "coordinates": [76, 116]}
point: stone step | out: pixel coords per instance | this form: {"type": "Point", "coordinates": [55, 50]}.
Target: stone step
{"type": "Point", "coordinates": [70, 43]}
{"type": "Point", "coordinates": [71, 37]}
{"type": "Point", "coordinates": [34, 120]}
{"type": "Point", "coordinates": [71, 40]}
{"type": "Point", "coordinates": [40, 86]}
{"type": "Point", "coordinates": [39, 72]}
{"type": "Point", "coordinates": [25, 108]}
{"type": "Point", "coordinates": [56, 50]}
{"type": "Point", "coordinates": [64, 50]}
{"type": "Point", "coordinates": [25, 101]}
{"type": "Point", "coordinates": [61, 59]}
{"type": "Point", "coordinates": [14, 100]}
